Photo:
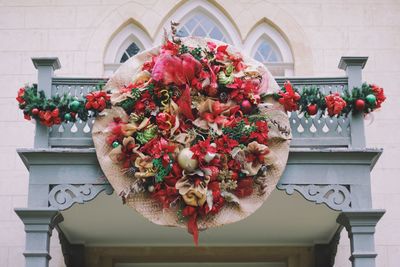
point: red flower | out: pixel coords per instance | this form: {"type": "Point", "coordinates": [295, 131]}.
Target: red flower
{"type": "Point", "coordinates": [97, 100]}
{"type": "Point", "coordinates": [158, 148]}
{"type": "Point", "coordinates": [379, 94]}
{"type": "Point", "coordinates": [20, 97]}
{"type": "Point", "coordinates": [27, 117]}
{"type": "Point", "coordinates": [289, 98]}
{"type": "Point", "coordinates": [170, 48]}
{"type": "Point", "coordinates": [165, 194]}
{"type": "Point", "coordinates": [144, 103]}
{"type": "Point", "coordinates": [242, 89]}
{"type": "Point", "coordinates": [184, 103]}
{"type": "Point", "coordinates": [165, 121]}
{"type": "Point", "coordinates": [261, 134]}
{"type": "Point", "coordinates": [149, 64]}
{"type": "Point", "coordinates": [201, 149]}
{"type": "Point", "coordinates": [49, 117]}
{"type": "Point", "coordinates": [221, 52]}
{"type": "Point", "coordinates": [117, 133]}
{"type": "Point", "coordinates": [226, 144]}
{"type": "Point", "coordinates": [211, 46]}
{"type": "Point", "coordinates": [177, 70]}
{"type": "Point", "coordinates": [244, 187]}
{"type": "Point", "coordinates": [335, 104]}
{"type": "Point", "coordinates": [237, 62]}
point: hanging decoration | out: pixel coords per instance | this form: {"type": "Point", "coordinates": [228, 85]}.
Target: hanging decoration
{"type": "Point", "coordinates": [189, 141]}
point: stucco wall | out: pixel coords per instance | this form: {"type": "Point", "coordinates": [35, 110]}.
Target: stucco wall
{"type": "Point", "coordinates": [319, 32]}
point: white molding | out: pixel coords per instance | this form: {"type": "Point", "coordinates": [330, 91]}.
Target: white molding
{"type": "Point", "coordinates": [187, 10]}
{"type": "Point", "coordinates": [270, 34]}
{"type": "Point", "coordinates": [121, 41]}
{"type": "Point", "coordinates": [267, 32]}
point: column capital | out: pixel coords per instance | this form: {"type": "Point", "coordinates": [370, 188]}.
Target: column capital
{"type": "Point", "coordinates": [36, 217]}
{"type": "Point", "coordinates": [53, 62]}
{"type": "Point", "coordinates": [352, 61]}
{"type": "Point", "coordinates": [363, 218]}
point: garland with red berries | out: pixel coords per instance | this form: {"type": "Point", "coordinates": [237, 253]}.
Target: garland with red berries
{"type": "Point", "coordinates": [311, 100]}
{"type": "Point", "coordinates": [64, 108]}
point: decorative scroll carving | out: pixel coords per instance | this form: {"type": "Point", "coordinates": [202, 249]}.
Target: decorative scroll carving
{"type": "Point", "coordinates": [336, 197]}
{"type": "Point", "coordinates": [63, 196]}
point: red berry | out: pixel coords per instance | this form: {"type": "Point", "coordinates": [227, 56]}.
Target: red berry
{"type": "Point", "coordinates": [360, 104]}
{"type": "Point", "coordinates": [246, 106]}
{"type": "Point", "coordinates": [35, 111]}
{"type": "Point", "coordinates": [55, 113]}
{"type": "Point", "coordinates": [312, 109]}
{"type": "Point", "coordinates": [95, 105]}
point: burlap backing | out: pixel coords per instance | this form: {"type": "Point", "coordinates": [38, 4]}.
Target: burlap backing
{"type": "Point", "coordinates": [279, 139]}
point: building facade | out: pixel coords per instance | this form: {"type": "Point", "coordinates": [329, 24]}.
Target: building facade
{"type": "Point", "coordinates": [293, 38]}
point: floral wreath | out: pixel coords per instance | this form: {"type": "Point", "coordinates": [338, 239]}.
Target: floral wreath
{"type": "Point", "coordinates": [192, 134]}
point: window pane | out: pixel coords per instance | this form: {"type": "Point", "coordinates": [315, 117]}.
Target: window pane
{"type": "Point", "coordinates": [267, 53]}
{"type": "Point", "coordinates": [132, 50]}
{"type": "Point", "coordinates": [203, 26]}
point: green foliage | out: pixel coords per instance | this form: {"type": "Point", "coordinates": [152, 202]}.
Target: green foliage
{"type": "Point", "coordinates": [161, 170]}
{"type": "Point", "coordinates": [240, 130]}
{"type": "Point", "coordinates": [196, 53]}
{"type": "Point", "coordinates": [309, 96]}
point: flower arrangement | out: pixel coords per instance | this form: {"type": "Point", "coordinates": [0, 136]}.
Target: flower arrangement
{"type": "Point", "coordinates": [194, 137]}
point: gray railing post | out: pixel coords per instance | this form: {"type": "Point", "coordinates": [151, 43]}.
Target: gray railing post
{"type": "Point", "coordinates": [353, 67]}
{"type": "Point", "coordinates": [360, 225]}
{"type": "Point", "coordinates": [39, 225]}
{"type": "Point", "coordinates": [46, 67]}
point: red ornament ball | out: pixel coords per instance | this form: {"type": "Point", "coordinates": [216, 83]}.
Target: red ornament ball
{"type": "Point", "coordinates": [359, 104]}
{"type": "Point", "coordinates": [312, 109]}
{"type": "Point", "coordinates": [35, 111]}
{"type": "Point", "coordinates": [246, 106]}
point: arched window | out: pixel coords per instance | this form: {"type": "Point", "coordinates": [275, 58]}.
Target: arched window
{"type": "Point", "coordinates": [132, 50]}
{"type": "Point", "coordinates": [199, 24]}
{"type": "Point", "coordinates": [202, 18]}
{"type": "Point", "coordinates": [126, 43]}
{"type": "Point", "coordinates": [266, 52]}
{"type": "Point", "coordinates": [268, 46]}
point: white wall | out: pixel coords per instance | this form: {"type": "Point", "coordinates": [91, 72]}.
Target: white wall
{"type": "Point", "coordinates": [320, 32]}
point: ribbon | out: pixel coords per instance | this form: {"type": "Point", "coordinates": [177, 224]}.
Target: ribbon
{"type": "Point", "coordinates": [192, 227]}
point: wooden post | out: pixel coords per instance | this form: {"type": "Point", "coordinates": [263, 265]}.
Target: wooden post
{"type": "Point", "coordinates": [360, 225]}
{"type": "Point", "coordinates": [39, 225]}
{"type": "Point", "coordinates": [46, 68]}
{"type": "Point", "coordinates": [353, 67]}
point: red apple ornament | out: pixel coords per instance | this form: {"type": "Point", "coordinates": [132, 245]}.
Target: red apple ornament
{"type": "Point", "coordinates": [359, 104]}
{"type": "Point", "coordinates": [312, 109]}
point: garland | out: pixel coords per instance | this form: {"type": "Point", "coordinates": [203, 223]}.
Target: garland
{"type": "Point", "coordinates": [364, 99]}
{"type": "Point", "coordinates": [64, 108]}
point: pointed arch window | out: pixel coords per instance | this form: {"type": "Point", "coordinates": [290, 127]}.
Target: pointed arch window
{"type": "Point", "coordinates": [266, 52]}
{"type": "Point", "coordinates": [126, 43]}
{"type": "Point", "coordinates": [267, 45]}
{"type": "Point", "coordinates": [132, 50]}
